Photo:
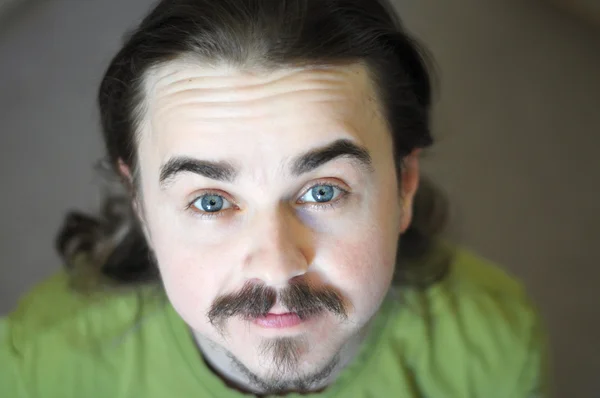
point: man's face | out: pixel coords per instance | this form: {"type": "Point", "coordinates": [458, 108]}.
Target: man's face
{"type": "Point", "coordinates": [268, 246]}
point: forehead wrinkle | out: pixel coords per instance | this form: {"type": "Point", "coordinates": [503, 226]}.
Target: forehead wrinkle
{"type": "Point", "coordinates": [196, 107]}
{"type": "Point", "coordinates": [217, 81]}
{"type": "Point", "coordinates": [350, 85]}
{"type": "Point", "coordinates": [231, 84]}
{"type": "Point", "coordinates": [226, 84]}
{"type": "Point", "coordinates": [230, 96]}
{"type": "Point", "coordinates": [273, 106]}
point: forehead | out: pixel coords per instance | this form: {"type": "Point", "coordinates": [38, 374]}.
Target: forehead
{"type": "Point", "coordinates": [224, 112]}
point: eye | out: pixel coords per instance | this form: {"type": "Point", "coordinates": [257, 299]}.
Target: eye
{"type": "Point", "coordinates": [322, 193]}
{"type": "Point", "coordinates": [210, 204]}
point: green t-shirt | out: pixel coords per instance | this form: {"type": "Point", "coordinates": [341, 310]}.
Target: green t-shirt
{"type": "Point", "coordinates": [474, 334]}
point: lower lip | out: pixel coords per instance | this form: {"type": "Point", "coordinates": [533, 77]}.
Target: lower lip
{"type": "Point", "coordinates": [278, 321]}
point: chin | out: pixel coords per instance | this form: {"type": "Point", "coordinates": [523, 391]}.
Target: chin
{"type": "Point", "coordinates": [291, 359]}
{"type": "Point", "coordinates": [288, 364]}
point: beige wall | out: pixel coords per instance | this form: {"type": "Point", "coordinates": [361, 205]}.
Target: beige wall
{"type": "Point", "coordinates": [587, 9]}
{"type": "Point", "coordinates": [518, 124]}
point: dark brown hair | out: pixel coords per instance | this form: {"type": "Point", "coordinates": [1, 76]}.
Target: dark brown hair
{"type": "Point", "coordinates": [248, 34]}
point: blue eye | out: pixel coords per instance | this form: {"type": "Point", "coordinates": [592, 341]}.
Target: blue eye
{"type": "Point", "coordinates": [321, 194]}
{"type": "Point", "coordinates": [211, 203]}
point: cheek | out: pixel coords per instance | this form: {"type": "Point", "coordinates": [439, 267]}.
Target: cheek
{"type": "Point", "coordinates": [362, 266]}
{"type": "Point", "coordinates": [362, 259]}
{"type": "Point", "coordinates": [193, 273]}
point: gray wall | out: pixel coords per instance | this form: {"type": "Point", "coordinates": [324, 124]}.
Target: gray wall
{"type": "Point", "coordinates": [5, 5]}
{"type": "Point", "coordinates": [518, 123]}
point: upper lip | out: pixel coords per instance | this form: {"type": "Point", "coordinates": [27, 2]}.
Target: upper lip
{"type": "Point", "coordinates": [278, 310]}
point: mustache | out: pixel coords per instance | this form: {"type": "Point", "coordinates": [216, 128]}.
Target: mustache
{"type": "Point", "coordinates": [255, 300]}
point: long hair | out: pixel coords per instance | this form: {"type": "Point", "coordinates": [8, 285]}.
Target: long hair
{"type": "Point", "coordinates": [110, 248]}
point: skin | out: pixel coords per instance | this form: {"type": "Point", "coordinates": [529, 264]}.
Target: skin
{"type": "Point", "coordinates": [272, 229]}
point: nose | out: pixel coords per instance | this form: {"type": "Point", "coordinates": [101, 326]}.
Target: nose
{"type": "Point", "coordinates": [279, 250]}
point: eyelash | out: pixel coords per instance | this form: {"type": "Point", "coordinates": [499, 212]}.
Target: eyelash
{"type": "Point", "coordinates": [317, 206]}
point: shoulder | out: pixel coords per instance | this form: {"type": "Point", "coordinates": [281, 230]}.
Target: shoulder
{"type": "Point", "coordinates": [53, 308]}
{"type": "Point", "coordinates": [472, 286]}
{"type": "Point", "coordinates": [477, 327]}
{"type": "Point", "coordinates": [493, 305]}
{"type": "Point", "coordinates": [486, 295]}
{"type": "Point", "coordinates": [57, 339]}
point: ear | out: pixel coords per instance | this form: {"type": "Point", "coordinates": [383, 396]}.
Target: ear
{"type": "Point", "coordinates": [127, 177]}
{"type": "Point", "coordinates": [408, 189]}
{"type": "Point", "coordinates": [125, 173]}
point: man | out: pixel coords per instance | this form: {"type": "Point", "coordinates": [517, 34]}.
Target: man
{"type": "Point", "coordinates": [278, 242]}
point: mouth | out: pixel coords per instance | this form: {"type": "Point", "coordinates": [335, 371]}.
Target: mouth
{"type": "Point", "coordinates": [278, 321]}
{"type": "Point", "coordinates": [280, 318]}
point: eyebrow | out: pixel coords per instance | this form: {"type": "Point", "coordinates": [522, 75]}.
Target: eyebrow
{"type": "Point", "coordinates": [226, 171]}
{"type": "Point", "coordinates": [220, 171]}
{"type": "Point", "coordinates": [342, 148]}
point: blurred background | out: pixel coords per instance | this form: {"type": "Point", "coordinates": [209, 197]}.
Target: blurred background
{"type": "Point", "coordinates": [517, 121]}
